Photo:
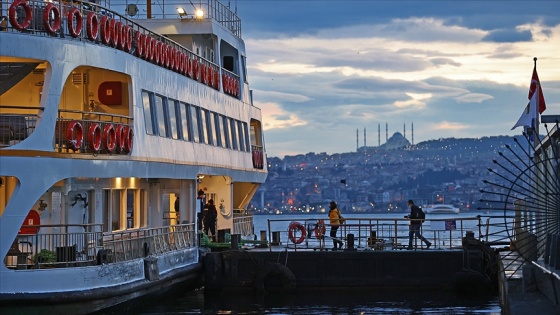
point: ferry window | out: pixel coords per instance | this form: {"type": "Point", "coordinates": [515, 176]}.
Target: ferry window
{"type": "Point", "coordinates": [184, 121]}
{"type": "Point", "coordinates": [112, 211]}
{"type": "Point", "coordinates": [233, 133]}
{"type": "Point", "coordinates": [246, 136]}
{"type": "Point", "coordinates": [173, 118]}
{"type": "Point", "coordinates": [160, 116]}
{"type": "Point", "coordinates": [215, 123]}
{"type": "Point", "coordinates": [143, 208]}
{"type": "Point", "coordinates": [221, 130]}
{"type": "Point", "coordinates": [225, 134]}
{"type": "Point", "coordinates": [147, 113]}
{"type": "Point", "coordinates": [244, 68]}
{"type": "Point", "coordinates": [254, 134]}
{"type": "Point", "coordinates": [241, 134]}
{"type": "Point", "coordinates": [195, 124]}
{"type": "Point", "coordinates": [205, 126]}
{"type": "Point", "coordinates": [130, 209]}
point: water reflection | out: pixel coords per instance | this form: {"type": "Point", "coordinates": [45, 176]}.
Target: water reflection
{"type": "Point", "coordinates": [323, 301]}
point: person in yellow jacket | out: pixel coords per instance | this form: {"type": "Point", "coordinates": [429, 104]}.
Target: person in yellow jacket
{"type": "Point", "coordinates": [335, 220]}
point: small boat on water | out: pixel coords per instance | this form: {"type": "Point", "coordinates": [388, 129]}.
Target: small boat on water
{"type": "Point", "coordinates": [441, 209]}
{"type": "Point", "coordinates": [117, 122]}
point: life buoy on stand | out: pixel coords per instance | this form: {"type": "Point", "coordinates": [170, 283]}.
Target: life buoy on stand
{"type": "Point", "coordinates": [51, 29]}
{"type": "Point", "coordinates": [94, 137]}
{"type": "Point", "coordinates": [320, 229]}
{"type": "Point", "coordinates": [293, 229]}
{"type": "Point", "coordinates": [14, 18]}
{"type": "Point", "coordinates": [76, 30]}
{"type": "Point", "coordinates": [109, 138]}
{"type": "Point", "coordinates": [74, 135]}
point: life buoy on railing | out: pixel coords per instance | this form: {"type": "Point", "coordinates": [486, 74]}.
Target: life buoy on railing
{"type": "Point", "coordinates": [293, 229]}
{"type": "Point", "coordinates": [209, 76]}
{"type": "Point", "coordinates": [109, 138]}
{"type": "Point", "coordinates": [115, 33]}
{"type": "Point", "coordinates": [74, 135]}
{"type": "Point", "coordinates": [217, 80]}
{"type": "Point", "coordinates": [196, 74]}
{"type": "Point", "coordinates": [76, 30]}
{"type": "Point", "coordinates": [92, 26]}
{"type": "Point", "coordinates": [148, 48]}
{"type": "Point", "coordinates": [190, 67]}
{"type": "Point", "coordinates": [128, 134]}
{"type": "Point", "coordinates": [119, 131]}
{"type": "Point", "coordinates": [105, 30]}
{"type": "Point", "coordinates": [94, 137]}
{"type": "Point", "coordinates": [320, 229]}
{"type": "Point", "coordinates": [14, 18]}
{"type": "Point", "coordinates": [51, 29]}
{"type": "Point", "coordinates": [119, 36]}
{"type": "Point", "coordinates": [127, 33]}
{"type": "Point", "coordinates": [139, 39]}
{"type": "Point", "coordinates": [156, 49]}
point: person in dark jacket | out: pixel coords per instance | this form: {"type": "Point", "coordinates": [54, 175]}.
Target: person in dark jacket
{"type": "Point", "coordinates": [415, 225]}
{"type": "Point", "coordinates": [210, 218]}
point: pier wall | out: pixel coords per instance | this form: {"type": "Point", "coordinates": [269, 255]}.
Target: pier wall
{"type": "Point", "coordinates": [434, 269]}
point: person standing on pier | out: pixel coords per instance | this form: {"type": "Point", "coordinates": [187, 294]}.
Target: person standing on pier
{"type": "Point", "coordinates": [210, 218]}
{"type": "Point", "coordinates": [415, 225]}
{"type": "Point", "coordinates": [335, 221]}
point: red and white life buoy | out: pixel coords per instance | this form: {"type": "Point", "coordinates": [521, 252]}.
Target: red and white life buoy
{"type": "Point", "coordinates": [106, 30]}
{"type": "Point", "coordinates": [119, 38]}
{"type": "Point", "coordinates": [190, 67]}
{"type": "Point", "coordinates": [293, 229]}
{"type": "Point", "coordinates": [149, 48]}
{"type": "Point", "coordinates": [320, 229]}
{"type": "Point", "coordinates": [14, 18]}
{"type": "Point", "coordinates": [196, 74]}
{"type": "Point", "coordinates": [109, 138]}
{"type": "Point", "coordinates": [51, 29]}
{"type": "Point", "coordinates": [128, 135]}
{"type": "Point", "coordinates": [217, 80]}
{"type": "Point", "coordinates": [119, 130]}
{"type": "Point", "coordinates": [75, 16]}
{"type": "Point", "coordinates": [92, 26]}
{"type": "Point", "coordinates": [115, 33]}
{"type": "Point", "coordinates": [94, 137]}
{"type": "Point", "coordinates": [74, 135]}
{"type": "Point", "coordinates": [127, 34]}
{"type": "Point", "coordinates": [140, 45]}
{"type": "Point", "coordinates": [156, 50]}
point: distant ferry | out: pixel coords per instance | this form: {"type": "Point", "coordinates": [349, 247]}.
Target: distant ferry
{"type": "Point", "coordinates": [441, 209]}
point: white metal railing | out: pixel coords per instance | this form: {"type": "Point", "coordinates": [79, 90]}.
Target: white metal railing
{"type": "Point", "coordinates": [74, 249]}
{"type": "Point", "coordinates": [243, 223]}
{"type": "Point", "coordinates": [444, 233]}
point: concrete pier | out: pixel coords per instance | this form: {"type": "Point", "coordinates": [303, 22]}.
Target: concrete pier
{"type": "Point", "coordinates": [460, 270]}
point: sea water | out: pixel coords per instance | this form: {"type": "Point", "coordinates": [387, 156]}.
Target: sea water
{"type": "Point", "coordinates": [316, 301]}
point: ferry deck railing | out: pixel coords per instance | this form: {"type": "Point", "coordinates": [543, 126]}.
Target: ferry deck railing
{"type": "Point", "coordinates": [17, 123]}
{"type": "Point", "coordinates": [389, 233]}
{"type": "Point", "coordinates": [64, 246]}
{"type": "Point", "coordinates": [243, 222]}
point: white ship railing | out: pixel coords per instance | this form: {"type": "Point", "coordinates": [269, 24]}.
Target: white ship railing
{"type": "Point", "coordinates": [74, 249]}
{"type": "Point", "coordinates": [243, 223]}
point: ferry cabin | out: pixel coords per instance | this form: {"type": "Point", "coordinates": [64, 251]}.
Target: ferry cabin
{"type": "Point", "coordinates": [105, 121]}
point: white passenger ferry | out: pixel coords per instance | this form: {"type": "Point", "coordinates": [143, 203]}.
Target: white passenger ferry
{"type": "Point", "coordinates": [109, 114]}
{"type": "Point", "coordinates": [442, 209]}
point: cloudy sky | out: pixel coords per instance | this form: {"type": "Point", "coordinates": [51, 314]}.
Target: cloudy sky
{"type": "Point", "coordinates": [321, 70]}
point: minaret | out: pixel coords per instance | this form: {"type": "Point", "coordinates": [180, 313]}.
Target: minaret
{"type": "Point", "coordinates": [378, 135]}
{"type": "Point", "coordinates": [412, 133]}
{"type": "Point", "coordinates": [386, 132]}
{"type": "Point", "coordinates": [364, 136]}
{"type": "Point", "coordinates": [357, 140]}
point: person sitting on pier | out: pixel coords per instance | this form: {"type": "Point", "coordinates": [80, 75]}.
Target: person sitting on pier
{"type": "Point", "coordinates": [415, 225]}
{"type": "Point", "coordinates": [335, 220]}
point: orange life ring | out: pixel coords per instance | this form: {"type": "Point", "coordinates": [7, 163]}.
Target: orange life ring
{"type": "Point", "coordinates": [120, 138]}
{"type": "Point", "coordinates": [51, 29]}
{"type": "Point", "coordinates": [109, 138]}
{"type": "Point", "coordinates": [92, 26]}
{"type": "Point", "coordinates": [94, 137]}
{"type": "Point", "coordinates": [105, 30]}
{"type": "Point", "coordinates": [13, 15]}
{"type": "Point", "coordinates": [140, 49]}
{"type": "Point", "coordinates": [293, 228]}
{"type": "Point", "coordinates": [156, 51]}
{"type": "Point", "coordinates": [75, 31]}
{"type": "Point", "coordinates": [128, 135]}
{"type": "Point", "coordinates": [120, 36]}
{"type": "Point", "coordinates": [74, 135]}
{"type": "Point", "coordinates": [320, 229]}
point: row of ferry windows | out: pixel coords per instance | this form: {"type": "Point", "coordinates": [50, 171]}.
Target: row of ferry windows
{"type": "Point", "coordinates": [178, 120]}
